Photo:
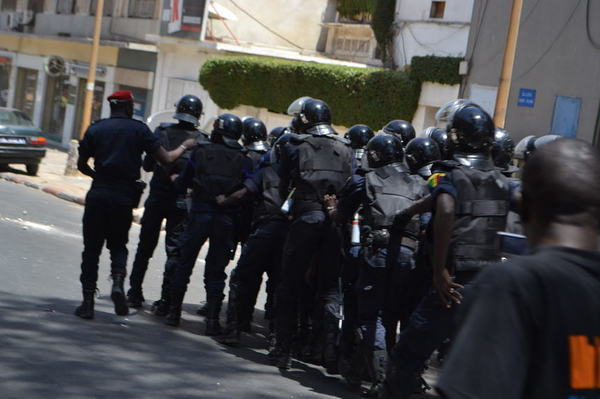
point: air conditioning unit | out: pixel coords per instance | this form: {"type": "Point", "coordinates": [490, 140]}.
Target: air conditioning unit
{"type": "Point", "coordinates": [55, 65]}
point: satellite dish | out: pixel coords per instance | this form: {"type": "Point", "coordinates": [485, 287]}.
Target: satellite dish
{"type": "Point", "coordinates": [55, 66]}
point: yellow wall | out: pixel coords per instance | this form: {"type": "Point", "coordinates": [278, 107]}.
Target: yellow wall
{"type": "Point", "coordinates": [67, 49]}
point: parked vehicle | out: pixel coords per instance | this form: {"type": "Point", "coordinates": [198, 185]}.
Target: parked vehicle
{"type": "Point", "coordinates": [20, 141]}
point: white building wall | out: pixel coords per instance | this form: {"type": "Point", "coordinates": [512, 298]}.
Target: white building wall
{"type": "Point", "coordinates": [417, 34]}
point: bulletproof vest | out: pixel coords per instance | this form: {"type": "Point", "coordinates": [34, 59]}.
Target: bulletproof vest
{"type": "Point", "coordinates": [270, 204]}
{"type": "Point", "coordinates": [325, 164]}
{"type": "Point", "coordinates": [171, 137]}
{"type": "Point", "coordinates": [218, 170]}
{"type": "Point", "coordinates": [391, 189]}
{"type": "Point", "coordinates": [482, 206]}
{"type": "Point", "coordinates": [255, 156]}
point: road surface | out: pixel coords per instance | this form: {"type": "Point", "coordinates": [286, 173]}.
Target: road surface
{"type": "Point", "coordinates": [47, 352]}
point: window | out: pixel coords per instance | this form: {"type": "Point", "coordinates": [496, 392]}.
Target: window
{"type": "Point", "coordinates": [108, 7]}
{"type": "Point", "coordinates": [142, 8]}
{"type": "Point", "coordinates": [437, 9]}
{"type": "Point", "coordinates": [351, 46]}
{"type": "Point", "coordinates": [65, 6]}
{"type": "Point", "coordinates": [566, 116]}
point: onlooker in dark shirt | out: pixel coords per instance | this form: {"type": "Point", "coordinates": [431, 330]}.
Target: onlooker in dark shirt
{"type": "Point", "coordinates": [532, 324]}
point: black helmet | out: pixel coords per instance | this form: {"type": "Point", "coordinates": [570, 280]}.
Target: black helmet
{"type": "Point", "coordinates": [503, 149]}
{"type": "Point", "coordinates": [359, 136]}
{"type": "Point", "coordinates": [440, 137]}
{"type": "Point", "coordinates": [276, 133]}
{"type": "Point", "coordinates": [279, 144]}
{"type": "Point", "coordinates": [189, 109]}
{"type": "Point", "coordinates": [527, 146]}
{"type": "Point", "coordinates": [229, 127]}
{"type": "Point", "coordinates": [383, 150]}
{"type": "Point", "coordinates": [296, 125]}
{"type": "Point", "coordinates": [403, 129]}
{"type": "Point", "coordinates": [471, 131]}
{"type": "Point", "coordinates": [446, 112]}
{"type": "Point", "coordinates": [315, 117]}
{"type": "Point", "coordinates": [254, 134]}
{"type": "Point", "coordinates": [421, 152]}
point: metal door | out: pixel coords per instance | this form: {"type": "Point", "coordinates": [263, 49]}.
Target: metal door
{"type": "Point", "coordinates": [566, 116]}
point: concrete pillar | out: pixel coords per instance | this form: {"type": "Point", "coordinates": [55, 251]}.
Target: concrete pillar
{"type": "Point", "coordinates": [40, 92]}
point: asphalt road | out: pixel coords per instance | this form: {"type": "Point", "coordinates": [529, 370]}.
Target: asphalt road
{"type": "Point", "coordinates": [47, 352]}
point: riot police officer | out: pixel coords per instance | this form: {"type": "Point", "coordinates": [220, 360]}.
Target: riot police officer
{"type": "Point", "coordinates": [359, 136]}
{"type": "Point", "coordinates": [117, 145]}
{"type": "Point", "coordinates": [215, 168]}
{"type": "Point", "coordinates": [502, 154]}
{"type": "Point", "coordinates": [472, 201]}
{"type": "Point", "coordinates": [387, 188]}
{"type": "Point", "coordinates": [262, 252]}
{"type": "Point", "coordinates": [312, 165]}
{"type": "Point", "coordinates": [275, 133]}
{"type": "Point", "coordinates": [420, 153]}
{"type": "Point", "coordinates": [440, 137]}
{"type": "Point", "coordinates": [402, 129]}
{"type": "Point", "coordinates": [254, 138]}
{"type": "Point", "coordinates": [163, 201]}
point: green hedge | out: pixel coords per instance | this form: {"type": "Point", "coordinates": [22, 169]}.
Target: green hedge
{"type": "Point", "coordinates": [355, 95]}
{"type": "Point", "coordinates": [435, 69]}
{"type": "Point", "coordinates": [351, 8]}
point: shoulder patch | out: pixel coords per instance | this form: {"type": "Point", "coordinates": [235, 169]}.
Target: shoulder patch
{"type": "Point", "coordinates": [435, 179]}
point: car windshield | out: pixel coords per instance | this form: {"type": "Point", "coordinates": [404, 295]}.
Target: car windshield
{"type": "Point", "coordinates": [14, 118]}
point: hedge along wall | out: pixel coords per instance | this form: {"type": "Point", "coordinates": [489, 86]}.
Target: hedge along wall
{"type": "Point", "coordinates": [430, 68]}
{"type": "Point", "coordinates": [355, 95]}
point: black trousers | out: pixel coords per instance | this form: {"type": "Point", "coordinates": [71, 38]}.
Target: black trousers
{"type": "Point", "coordinates": [218, 228]}
{"type": "Point", "coordinates": [155, 211]}
{"type": "Point", "coordinates": [107, 218]}
{"type": "Point", "coordinates": [261, 254]}
{"type": "Point", "coordinates": [309, 241]}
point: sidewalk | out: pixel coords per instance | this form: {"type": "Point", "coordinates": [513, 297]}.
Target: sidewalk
{"type": "Point", "coordinates": [51, 179]}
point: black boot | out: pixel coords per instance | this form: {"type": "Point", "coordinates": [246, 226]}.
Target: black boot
{"type": "Point", "coordinates": [160, 307]}
{"type": "Point", "coordinates": [213, 326]}
{"type": "Point", "coordinates": [231, 335]}
{"type": "Point", "coordinates": [174, 313]}
{"type": "Point", "coordinates": [135, 298]}
{"type": "Point", "coordinates": [86, 309]}
{"type": "Point", "coordinates": [281, 356]}
{"type": "Point", "coordinates": [202, 310]}
{"type": "Point", "coordinates": [117, 294]}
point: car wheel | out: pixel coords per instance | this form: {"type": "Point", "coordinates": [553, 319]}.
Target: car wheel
{"type": "Point", "coordinates": [32, 168]}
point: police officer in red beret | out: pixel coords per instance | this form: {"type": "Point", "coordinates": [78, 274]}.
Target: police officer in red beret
{"type": "Point", "coordinates": [117, 145]}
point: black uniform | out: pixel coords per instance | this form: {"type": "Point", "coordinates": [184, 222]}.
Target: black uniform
{"type": "Point", "coordinates": [163, 202]}
{"type": "Point", "coordinates": [261, 253]}
{"type": "Point", "coordinates": [117, 145]}
{"type": "Point", "coordinates": [482, 196]}
{"type": "Point", "coordinates": [213, 169]}
{"type": "Point", "coordinates": [314, 165]}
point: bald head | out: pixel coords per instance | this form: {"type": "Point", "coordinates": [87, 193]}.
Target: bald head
{"type": "Point", "coordinates": [561, 184]}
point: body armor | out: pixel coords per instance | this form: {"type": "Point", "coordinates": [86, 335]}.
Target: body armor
{"type": "Point", "coordinates": [218, 171]}
{"type": "Point", "coordinates": [269, 206]}
{"type": "Point", "coordinates": [325, 164]}
{"type": "Point", "coordinates": [391, 189]}
{"type": "Point", "coordinates": [256, 156]}
{"type": "Point", "coordinates": [482, 206]}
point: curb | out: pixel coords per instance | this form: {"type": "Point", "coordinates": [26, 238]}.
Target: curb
{"type": "Point", "coordinates": [137, 216]}
{"type": "Point", "coordinates": [47, 189]}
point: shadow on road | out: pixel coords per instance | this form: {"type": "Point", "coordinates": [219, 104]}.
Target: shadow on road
{"type": "Point", "coordinates": [47, 352]}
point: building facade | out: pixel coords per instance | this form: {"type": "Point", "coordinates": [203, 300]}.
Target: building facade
{"type": "Point", "coordinates": [555, 86]}
{"type": "Point", "coordinates": [424, 27]}
{"type": "Point", "coordinates": [45, 50]}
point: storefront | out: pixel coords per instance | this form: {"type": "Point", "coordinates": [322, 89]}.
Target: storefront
{"type": "Point", "coordinates": [57, 99]}
{"type": "Point", "coordinates": [5, 68]}
{"type": "Point", "coordinates": [26, 89]}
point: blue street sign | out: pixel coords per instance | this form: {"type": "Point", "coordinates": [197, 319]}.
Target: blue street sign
{"type": "Point", "coordinates": [526, 98]}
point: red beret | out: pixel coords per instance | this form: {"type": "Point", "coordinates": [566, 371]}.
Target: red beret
{"type": "Point", "coordinates": [121, 95]}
